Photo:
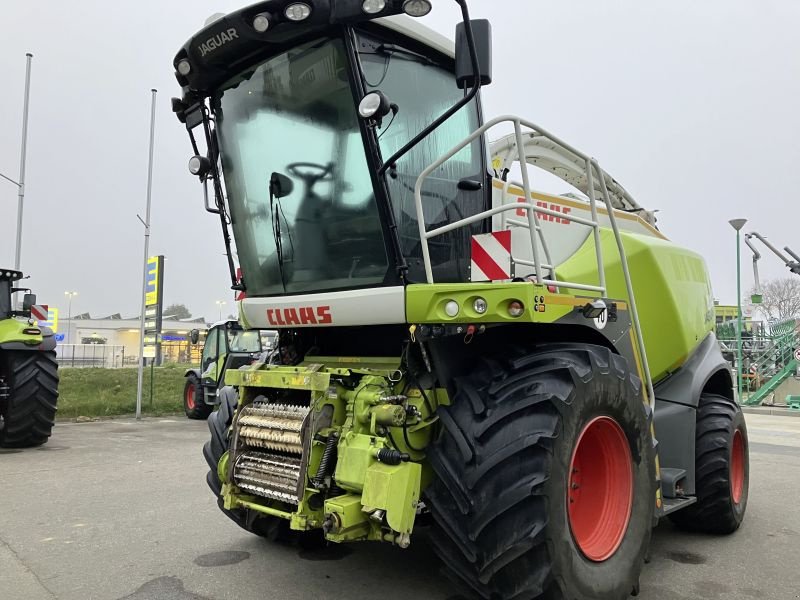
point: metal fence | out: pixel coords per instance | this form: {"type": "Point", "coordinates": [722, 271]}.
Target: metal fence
{"type": "Point", "coordinates": [93, 355]}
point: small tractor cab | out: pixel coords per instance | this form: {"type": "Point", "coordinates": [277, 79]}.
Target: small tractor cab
{"type": "Point", "coordinates": [227, 346]}
{"type": "Point", "coordinates": [28, 369]}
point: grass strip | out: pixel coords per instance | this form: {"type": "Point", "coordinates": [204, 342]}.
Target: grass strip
{"type": "Point", "coordinates": [112, 392]}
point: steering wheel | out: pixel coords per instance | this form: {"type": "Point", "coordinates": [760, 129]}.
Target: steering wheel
{"type": "Point", "coordinates": [318, 172]}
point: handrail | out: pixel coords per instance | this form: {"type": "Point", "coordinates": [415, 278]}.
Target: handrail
{"type": "Point", "coordinates": [592, 167]}
{"type": "Point", "coordinates": [542, 239]}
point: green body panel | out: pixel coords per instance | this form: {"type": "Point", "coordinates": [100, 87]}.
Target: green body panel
{"type": "Point", "coordinates": [287, 378]}
{"type": "Point", "coordinates": [425, 303]}
{"type": "Point", "coordinates": [356, 454]}
{"type": "Point", "coordinates": [352, 523]}
{"type": "Point", "coordinates": [396, 490]}
{"type": "Point", "coordinates": [672, 288]}
{"type": "Point", "coordinates": [12, 330]}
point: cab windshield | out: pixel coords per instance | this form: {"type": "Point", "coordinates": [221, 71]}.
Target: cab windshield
{"type": "Point", "coordinates": [244, 341]}
{"type": "Point", "coordinates": [295, 115]}
{"type": "Point", "coordinates": [293, 119]}
{"type": "Point", "coordinates": [424, 88]}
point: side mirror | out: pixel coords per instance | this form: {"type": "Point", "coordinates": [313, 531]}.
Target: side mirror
{"type": "Point", "coordinates": [28, 300]}
{"type": "Point", "coordinates": [482, 33]}
{"type": "Point", "coordinates": [280, 185]}
{"type": "Point", "coordinates": [194, 336]}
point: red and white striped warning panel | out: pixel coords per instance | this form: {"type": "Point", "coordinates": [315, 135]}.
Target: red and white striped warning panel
{"type": "Point", "coordinates": [491, 256]}
{"type": "Point", "coordinates": [39, 312]}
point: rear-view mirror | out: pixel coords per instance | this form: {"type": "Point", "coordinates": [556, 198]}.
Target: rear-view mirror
{"type": "Point", "coordinates": [280, 185]}
{"type": "Point", "coordinates": [194, 336]}
{"type": "Point", "coordinates": [482, 33]}
{"type": "Point", "coordinates": [28, 300]}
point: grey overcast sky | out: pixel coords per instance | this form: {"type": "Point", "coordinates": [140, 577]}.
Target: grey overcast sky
{"type": "Point", "coordinates": [692, 105]}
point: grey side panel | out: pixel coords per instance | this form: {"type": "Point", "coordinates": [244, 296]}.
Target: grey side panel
{"type": "Point", "coordinates": [227, 394]}
{"type": "Point", "coordinates": [685, 385]}
{"type": "Point", "coordinates": [677, 398]}
{"type": "Point", "coordinates": [675, 430]}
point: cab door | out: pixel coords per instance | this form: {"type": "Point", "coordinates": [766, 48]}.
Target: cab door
{"type": "Point", "coordinates": [212, 363]}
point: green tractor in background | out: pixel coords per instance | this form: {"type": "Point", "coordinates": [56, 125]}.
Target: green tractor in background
{"type": "Point", "coordinates": [535, 376]}
{"type": "Point", "coordinates": [28, 370]}
{"type": "Point", "coordinates": [227, 346]}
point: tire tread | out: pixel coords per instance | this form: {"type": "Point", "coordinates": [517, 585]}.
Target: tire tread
{"type": "Point", "coordinates": [31, 411]}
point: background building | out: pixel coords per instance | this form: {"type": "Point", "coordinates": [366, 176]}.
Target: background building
{"type": "Point", "coordinates": [114, 342]}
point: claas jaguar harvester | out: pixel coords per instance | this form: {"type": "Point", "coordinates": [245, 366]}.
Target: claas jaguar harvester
{"type": "Point", "coordinates": [534, 375]}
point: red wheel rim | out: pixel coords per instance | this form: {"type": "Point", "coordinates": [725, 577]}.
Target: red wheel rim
{"type": "Point", "coordinates": [737, 467]}
{"type": "Point", "coordinates": [600, 489]}
{"type": "Point", "coordinates": [190, 396]}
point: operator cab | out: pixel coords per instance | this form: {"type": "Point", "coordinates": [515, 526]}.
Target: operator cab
{"type": "Point", "coordinates": [315, 202]}
{"type": "Point", "coordinates": [7, 279]}
{"type": "Point", "coordinates": [227, 346]}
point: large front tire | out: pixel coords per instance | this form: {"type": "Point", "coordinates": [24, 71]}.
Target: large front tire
{"type": "Point", "coordinates": [532, 454]}
{"type": "Point", "coordinates": [193, 402]}
{"type": "Point", "coordinates": [30, 414]}
{"type": "Point", "coordinates": [722, 467]}
{"type": "Point", "coordinates": [219, 424]}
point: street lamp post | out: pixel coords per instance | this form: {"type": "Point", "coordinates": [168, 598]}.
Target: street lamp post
{"type": "Point", "coordinates": [23, 151]}
{"type": "Point", "coordinates": [70, 296]}
{"type": "Point", "coordinates": [220, 304]}
{"type": "Point", "coordinates": [146, 223]}
{"type": "Point", "coordinates": [737, 224]}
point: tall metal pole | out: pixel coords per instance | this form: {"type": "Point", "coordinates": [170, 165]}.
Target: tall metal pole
{"type": "Point", "coordinates": [739, 313]}
{"type": "Point", "coordinates": [146, 256]}
{"type": "Point", "coordinates": [23, 151]}
{"type": "Point", "coordinates": [737, 224]}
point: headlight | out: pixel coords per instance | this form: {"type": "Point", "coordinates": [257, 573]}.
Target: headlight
{"type": "Point", "coordinates": [480, 306]}
{"type": "Point", "coordinates": [374, 104]}
{"type": "Point", "coordinates": [373, 7]}
{"type": "Point", "coordinates": [199, 165]}
{"type": "Point", "coordinates": [417, 8]}
{"type": "Point", "coordinates": [516, 308]}
{"type": "Point", "coordinates": [184, 67]}
{"type": "Point", "coordinates": [261, 22]}
{"type": "Point", "coordinates": [299, 11]}
{"type": "Point", "coordinates": [451, 308]}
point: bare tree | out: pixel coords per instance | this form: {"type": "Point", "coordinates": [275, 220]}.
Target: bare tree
{"type": "Point", "coordinates": [781, 298]}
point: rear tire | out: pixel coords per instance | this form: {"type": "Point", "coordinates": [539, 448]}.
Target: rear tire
{"type": "Point", "coordinates": [722, 468]}
{"type": "Point", "coordinates": [219, 423]}
{"type": "Point", "coordinates": [193, 402]}
{"type": "Point", "coordinates": [31, 411]}
{"type": "Point", "coordinates": [504, 464]}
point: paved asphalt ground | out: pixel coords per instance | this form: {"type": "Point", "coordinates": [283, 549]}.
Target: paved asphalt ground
{"type": "Point", "coordinates": [120, 510]}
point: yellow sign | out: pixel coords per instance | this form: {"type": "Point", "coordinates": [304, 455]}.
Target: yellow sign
{"type": "Point", "coordinates": [149, 352]}
{"type": "Point", "coordinates": [52, 320]}
{"type": "Point", "coordinates": [151, 289]}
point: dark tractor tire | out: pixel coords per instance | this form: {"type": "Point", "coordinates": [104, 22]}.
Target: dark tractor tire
{"type": "Point", "coordinates": [193, 403]}
{"type": "Point", "coordinates": [272, 528]}
{"type": "Point", "coordinates": [722, 467]}
{"type": "Point", "coordinates": [545, 477]}
{"type": "Point", "coordinates": [30, 414]}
